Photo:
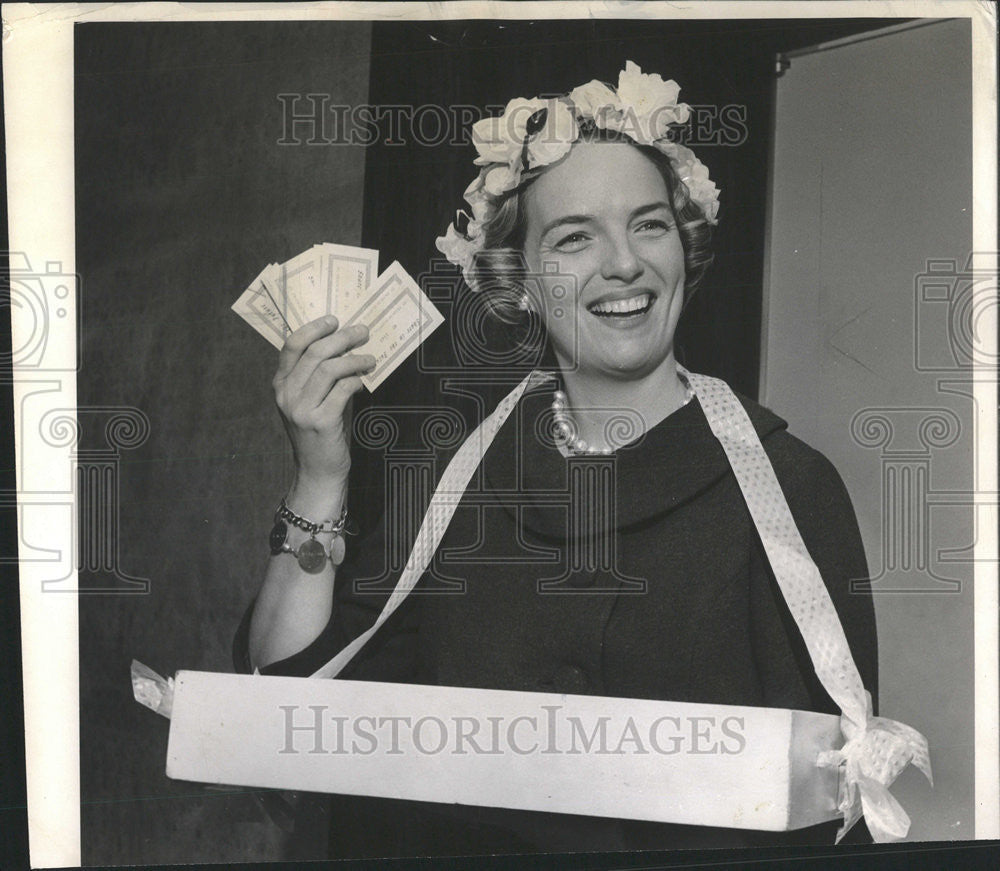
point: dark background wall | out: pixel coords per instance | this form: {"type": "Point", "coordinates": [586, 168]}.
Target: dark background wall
{"type": "Point", "coordinates": [183, 195]}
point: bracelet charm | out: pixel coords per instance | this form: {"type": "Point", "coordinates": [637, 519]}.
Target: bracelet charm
{"type": "Point", "coordinates": [311, 556]}
{"type": "Point", "coordinates": [279, 532]}
{"type": "Point", "coordinates": [337, 550]}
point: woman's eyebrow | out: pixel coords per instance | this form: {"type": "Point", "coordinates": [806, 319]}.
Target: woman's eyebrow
{"type": "Point", "coordinates": [650, 207]}
{"type": "Point", "coordinates": [565, 219]}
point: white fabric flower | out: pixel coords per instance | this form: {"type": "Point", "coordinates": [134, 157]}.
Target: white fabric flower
{"type": "Point", "coordinates": [704, 192]}
{"type": "Point", "coordinates": [475, 195]}
{"type": "Point", "coordinates": [644, 108]}
{"type": "Point", "coordinates": [500, 139]}
{"type": "Point", "coordinates": [475, 186]}
{"type": "Point", "coordinates": [481, 207]}
{"type": "Point", "coordinates": [501, 179]}
{"type": "Point", "coordinates": [649, 104]}
{"type": "Point", "coordinates": [694, 174]}
{"type": "Point", "coordinates": [596, 100]}
{"type": "Point", "coordinates": [647, 91]}
{"type": "Point", "coordinates": [457, 248]}
{"type": "Point", "coordinates": [556, 137]}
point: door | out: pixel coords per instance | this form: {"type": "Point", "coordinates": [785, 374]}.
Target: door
{"type": "Point", "coordinates": [866, 352]}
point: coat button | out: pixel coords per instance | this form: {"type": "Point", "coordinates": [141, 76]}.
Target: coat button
{"type": "Point", "coordinates": [570, 679]}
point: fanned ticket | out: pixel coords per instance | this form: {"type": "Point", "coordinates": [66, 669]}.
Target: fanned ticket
{"type": "Point", "coordinates": [259, 308]}
{"type": "Point", "coordinates": [340, 280]}
{"type": "Point", "coordinates": [399, 316]}
{"type": "Point", "coordinates": [345, 274]}
{"type": "Point", "coordinates": [292, 285]}
{"type": "Point", "coordinates": [326, 279]}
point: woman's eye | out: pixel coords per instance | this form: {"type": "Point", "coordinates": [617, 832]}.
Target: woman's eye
{"type": "Point", "coordinates": [654, 225]}
{"type": "Point", "coordinates": [573, 240]}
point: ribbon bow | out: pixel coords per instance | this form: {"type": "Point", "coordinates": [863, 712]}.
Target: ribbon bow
{"type": "Point", "coordinates": [873, 756]}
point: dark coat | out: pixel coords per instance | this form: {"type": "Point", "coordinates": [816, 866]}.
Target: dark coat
{"type": "Point", "coordinates": [685, 608]}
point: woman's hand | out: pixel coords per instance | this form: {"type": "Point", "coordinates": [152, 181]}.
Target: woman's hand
{"type": "Point", "coordinates": [315, 378]}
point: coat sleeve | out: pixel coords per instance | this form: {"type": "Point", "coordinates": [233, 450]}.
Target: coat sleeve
{"type": "Point", "coordinates": [823, 512]}
{"type": "Point", "coordinates": [362, 586]}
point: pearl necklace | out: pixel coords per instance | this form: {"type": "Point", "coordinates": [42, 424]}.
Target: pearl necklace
{"type": "Point", "coordinates": [564, 429]}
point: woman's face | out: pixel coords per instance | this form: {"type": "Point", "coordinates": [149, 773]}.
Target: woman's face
{"type": "Point", "coordinates": [602, 240]}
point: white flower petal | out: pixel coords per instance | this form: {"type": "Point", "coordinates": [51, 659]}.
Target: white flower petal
{"type": "Point", "coordinates": [500, 180]}
{"type": "Point", "coordinates": [594, 99]}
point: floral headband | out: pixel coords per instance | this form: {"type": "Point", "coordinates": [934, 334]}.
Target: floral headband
{"type": "Point", "coordinates": [534, 133]}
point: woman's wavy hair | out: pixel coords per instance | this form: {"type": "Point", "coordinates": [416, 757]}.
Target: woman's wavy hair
{"type": "Point", "coordinates": [499, 271]}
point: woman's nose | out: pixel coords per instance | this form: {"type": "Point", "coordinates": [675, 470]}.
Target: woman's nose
{"type": "Point", "coordinates": [620, 261]}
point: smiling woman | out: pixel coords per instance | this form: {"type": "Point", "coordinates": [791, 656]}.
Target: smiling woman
{"type": "Point", "coordinates": [653, 582]}
{"type": "Point", "coordinates": [602, 216]}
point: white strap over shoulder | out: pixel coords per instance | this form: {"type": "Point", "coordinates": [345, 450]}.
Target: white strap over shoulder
{"type": "Point", "coordinates": [876, 749]}
{"type": "Point", "coordinates": [805, 593]}
{"type": "Point", "coordinates": [442, 507]}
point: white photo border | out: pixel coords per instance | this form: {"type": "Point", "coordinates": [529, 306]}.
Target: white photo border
{"type": "Point", "coordinates": [39, 109]}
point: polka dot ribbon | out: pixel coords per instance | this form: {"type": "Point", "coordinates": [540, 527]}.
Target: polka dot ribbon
{"type": "Point", "coordinates": [876, 749]}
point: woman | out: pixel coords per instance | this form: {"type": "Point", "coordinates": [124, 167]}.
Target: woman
{"type": "Point", "coordinates": [680, 602]}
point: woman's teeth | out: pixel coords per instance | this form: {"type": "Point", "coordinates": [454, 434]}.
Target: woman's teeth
{"type": "Point", "coordinates": [632, 305]}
